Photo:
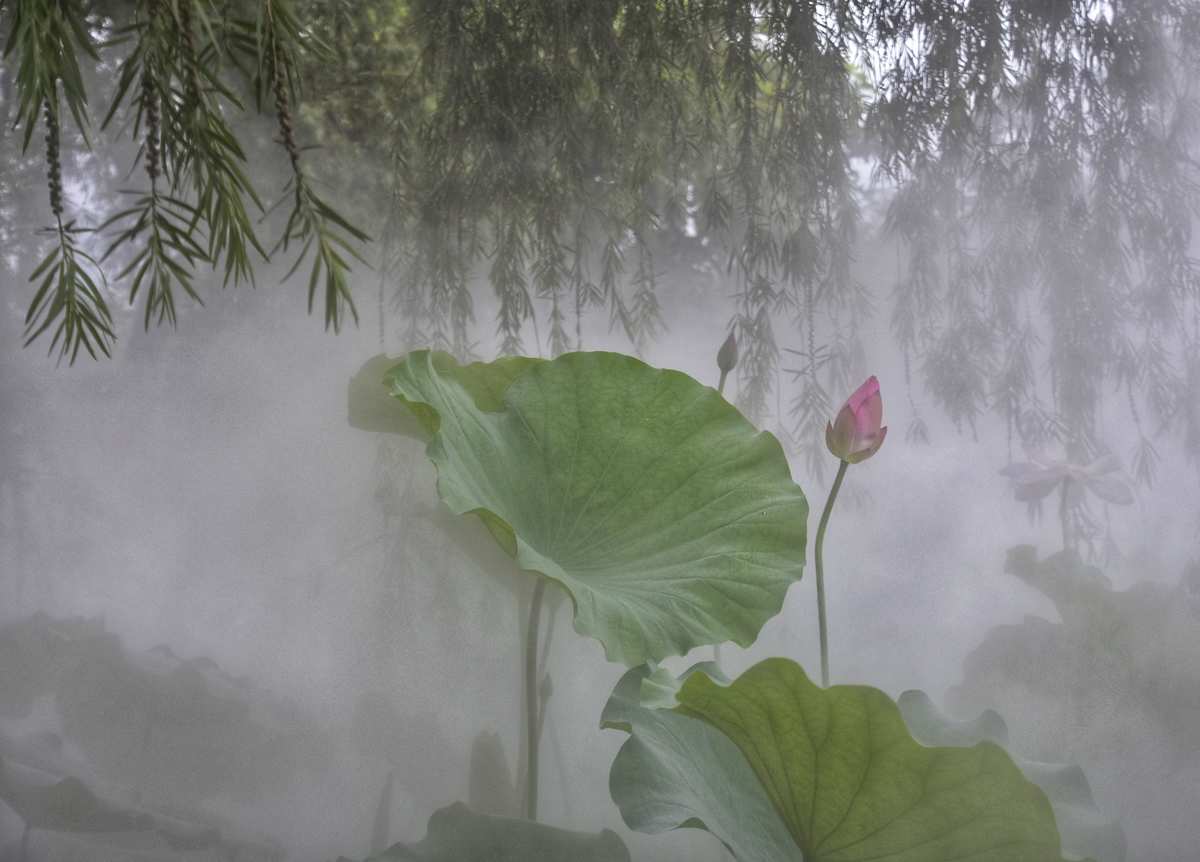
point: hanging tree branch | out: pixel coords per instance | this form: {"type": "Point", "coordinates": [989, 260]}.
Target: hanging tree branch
{"type": "Point", "coordinates": [313, 223]}
{"type": "Point", "coordinates": [165, 225]}
{"type": "Point", "coordinates": [1038, 163]}
{"type": "Point", "coordinates": [194, 210]}
{"type": "Point", "coordinates": [46, 39]}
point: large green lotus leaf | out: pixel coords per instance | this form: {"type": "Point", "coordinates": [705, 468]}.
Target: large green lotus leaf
{"type": "Point", "coordinates": [1086, 832]}
{"type": "Point", "coordinates": [458, 834]}
{"type": "Point", "coordinates": [669, 519]}
{"type": "Point", "coordinates": [838, 769]}
{"type": "Point", "coordinates": [676, 771]}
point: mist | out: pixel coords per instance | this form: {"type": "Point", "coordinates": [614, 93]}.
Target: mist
{"type": "Point", "coordinates": [227, 611]}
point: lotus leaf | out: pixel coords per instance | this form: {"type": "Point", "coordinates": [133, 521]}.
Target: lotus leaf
{"type": "Point", "coordinates": [667, 517]}
{"type": "Point", "coordinates": [779, 768]}
{"type": "Point", "coordinates": [458, 834]}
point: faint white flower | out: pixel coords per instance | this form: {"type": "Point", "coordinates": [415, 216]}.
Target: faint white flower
{"type": "Point", "coordinates": [1033, 480]}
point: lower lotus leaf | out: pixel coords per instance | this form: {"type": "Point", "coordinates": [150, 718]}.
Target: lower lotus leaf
{"type": "Point", "coordinates": [458, 834]}
{"type": "Point", "coordinates": [1086, 832]}
{"type": "Point", "coordinates": [836, 770]}
{"type": "Point", "coordinates": [675, 771]}
{"type": "Point", "coordinates": [668, 518]}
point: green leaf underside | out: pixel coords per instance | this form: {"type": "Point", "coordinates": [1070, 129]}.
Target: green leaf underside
{"type": "Point", "coordinates": [836, 767]}
{"type": "Point", "coordinates": [668, 518]}
{"type": "Point", "coordinates": [676, 771]}
{"type": "Point", "coordinates": [457, 834]}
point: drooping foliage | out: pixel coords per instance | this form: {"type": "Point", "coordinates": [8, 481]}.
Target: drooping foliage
{"type": "Point", "coordinates": [1034, 165]}
{"type": "Point", "coordinates": [182, 69]}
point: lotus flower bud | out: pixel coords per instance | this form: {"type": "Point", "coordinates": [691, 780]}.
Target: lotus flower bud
{"type": "Point", "coordinates": [857, 432]}
{"type": "Point", "coordinates": [727, 356]}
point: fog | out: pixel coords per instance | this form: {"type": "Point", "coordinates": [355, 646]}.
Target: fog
{"type": "Point", "coordinates": [197, 512]}
{"type": "Point", "coordinates": [210, 496]}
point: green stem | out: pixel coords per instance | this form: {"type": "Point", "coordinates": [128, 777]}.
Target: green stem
{"type": "Point", "coordinates": [531, 700]}
{"type": "Point", "coordinates": [821, 624]}
{"type": "Point", "coordinates": [720, 391]}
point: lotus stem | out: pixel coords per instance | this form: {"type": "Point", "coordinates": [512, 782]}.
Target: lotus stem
{"type": "Point", "coordinates": [531, 700]}
{"type": "Point", "coordinates": [822, 625]}
{"type": "Point", "coordinates": [721, 392]}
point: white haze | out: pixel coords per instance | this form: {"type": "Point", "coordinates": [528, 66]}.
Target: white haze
{"type": "Point", "coordinates": [204, 490]}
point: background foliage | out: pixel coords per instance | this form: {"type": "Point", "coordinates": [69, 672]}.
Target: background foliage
{"type": "Point", "coordinates": [1033, 164]}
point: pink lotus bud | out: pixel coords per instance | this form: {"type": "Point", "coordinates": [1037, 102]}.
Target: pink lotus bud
{"type": "Point", "coordinates": [727, 356]}
{"type": "Point", "coordinates": [856, 434]}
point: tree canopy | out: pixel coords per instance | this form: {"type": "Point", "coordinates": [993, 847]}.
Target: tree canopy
{"type": "Point", "coordinates": [1033, 163]}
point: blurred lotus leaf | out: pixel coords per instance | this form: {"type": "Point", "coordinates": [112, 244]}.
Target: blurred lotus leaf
{"type": "Point", "coordinates": [177, 729]}
{"type": "Point", "coordinates": [458, 834]}
{"type": "Point", "coordinates": [171, 728]}
{"type": "Point", "coordinates": [1113, 684]}
{"type": "Point", "coordinates": [669, 519]}
{"type": "Point", "coordinates": [1085, 831]}
{"type": "Point", "coordinates": [778, 768]}
{"type": "Point", "coordinates": [47, 800]}
{"type": "Point", "coordinates": [1112, 648]}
